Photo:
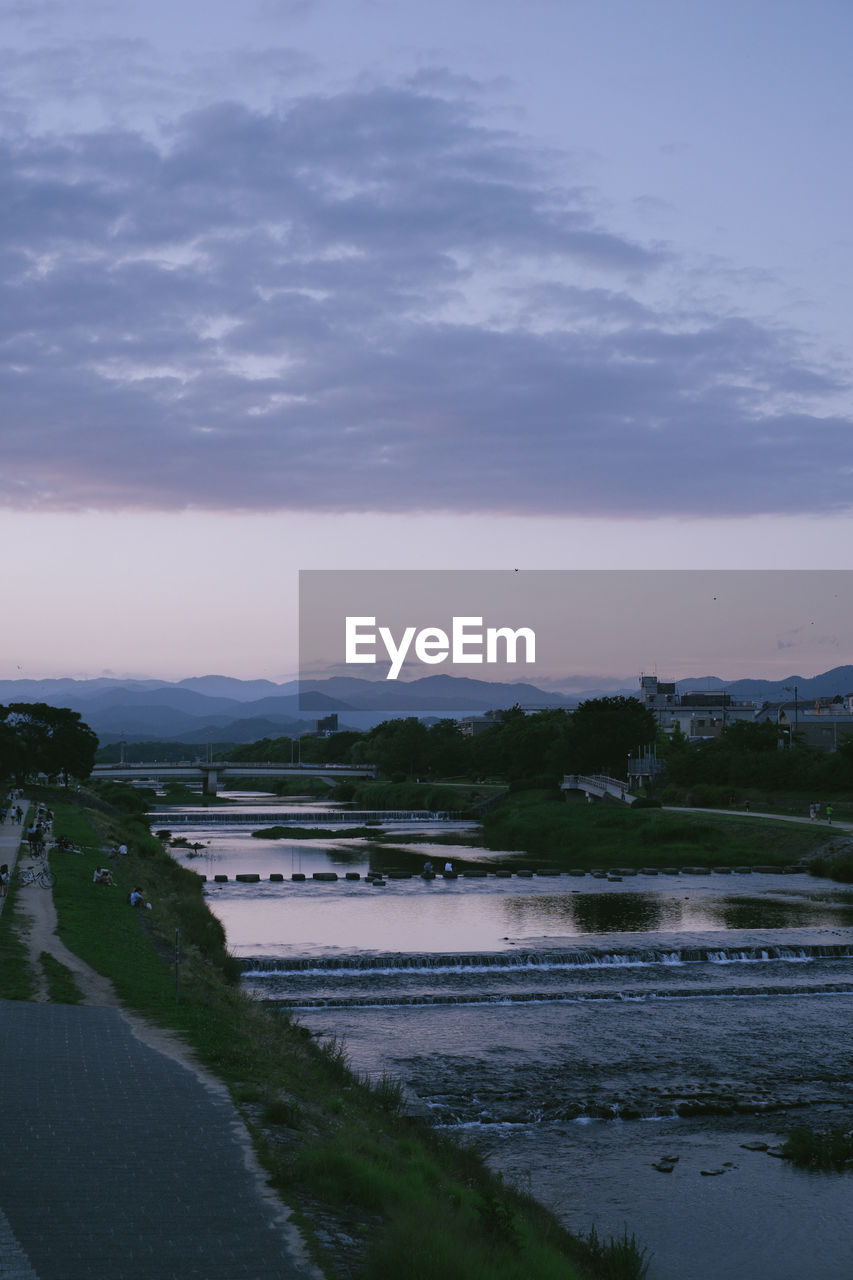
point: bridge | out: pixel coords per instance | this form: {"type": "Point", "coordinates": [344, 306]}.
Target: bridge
{"type": "Point", "coordinates": [213, 772]}
{"type": "Point", "coordinates": [598, 784]}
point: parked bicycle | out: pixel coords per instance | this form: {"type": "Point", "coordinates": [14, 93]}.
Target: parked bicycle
{"type": "Point", "coordinates": [42, 876]}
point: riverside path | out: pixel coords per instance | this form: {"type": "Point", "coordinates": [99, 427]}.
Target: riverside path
{"type": "Point", "coordinates": [118, 1162]}
{"type": "Point", "coordinates": [120, 1159]}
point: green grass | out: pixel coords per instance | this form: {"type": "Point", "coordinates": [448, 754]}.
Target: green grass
{"type": "Point", "coordinates": [17, 980]}
{"type": "Point", "coordinates": [61, 987]}
{"type": "Point", "coordinates": [836, 864]}
{"type": "Point", "coordinates": [419, 795]}
{"type": "Point", "coordinates": [391, 1197]}
{"type": "Point", "coordinates": [571, 833]}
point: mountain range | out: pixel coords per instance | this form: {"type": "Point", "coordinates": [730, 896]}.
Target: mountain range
{"type": "Point", "coordinates": [225, 709]}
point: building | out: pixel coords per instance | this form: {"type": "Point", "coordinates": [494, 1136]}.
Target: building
{"type": "Point", "coordinates": [698, 714]}
{"type": "Point", "coordinates": [824, 724]}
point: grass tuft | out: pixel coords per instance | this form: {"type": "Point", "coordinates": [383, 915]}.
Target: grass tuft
{"type": "Point", "coordinates": [61, 987]}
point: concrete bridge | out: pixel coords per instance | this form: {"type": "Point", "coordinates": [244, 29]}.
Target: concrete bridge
{"type": "Point", "coordinates": [598, 784]}
{"type": "Point", "coordinates": [212, 772]}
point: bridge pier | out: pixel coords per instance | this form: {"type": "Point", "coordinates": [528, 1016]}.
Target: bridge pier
{"type": "Point", "coordinates": [210, 779]}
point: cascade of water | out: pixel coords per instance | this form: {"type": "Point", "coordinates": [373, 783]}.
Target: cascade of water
{"type": "Point", "coordinates": [259, 966]}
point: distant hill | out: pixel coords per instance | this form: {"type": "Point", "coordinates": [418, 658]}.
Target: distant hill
{"type": "Point", "coordinates": [229, 710]}
{"type": "Point", "coordinates": [827, 685]}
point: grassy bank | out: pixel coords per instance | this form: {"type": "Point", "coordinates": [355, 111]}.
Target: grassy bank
{"type": "Point", "coordinates": [380, 1195]}
{"type": "Point", "coordinates": [434, 796]}
{"type": "Point", "coordinates": [17, 980]}
{"type": "Point", "coordinates": [542, 826]}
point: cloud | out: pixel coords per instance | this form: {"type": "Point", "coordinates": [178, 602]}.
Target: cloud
{"type": "Point", "coordinates": [374, 300]}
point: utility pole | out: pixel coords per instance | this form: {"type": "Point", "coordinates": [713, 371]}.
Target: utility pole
{"type": "Point", "coordinates": [794, 688]}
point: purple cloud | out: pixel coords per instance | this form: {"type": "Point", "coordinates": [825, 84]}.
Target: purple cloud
{"type": "Point", "coordinates": [372, 300]}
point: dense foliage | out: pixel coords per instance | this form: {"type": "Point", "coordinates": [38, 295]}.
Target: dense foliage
{"type": "Point", "coordinates": [749, 755]}
{"type": "Point", "coordinates": [36, 738]}
{"type": "Point", "coordinates": [514, 745]}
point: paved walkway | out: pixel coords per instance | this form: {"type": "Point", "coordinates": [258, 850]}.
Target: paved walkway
{"type": "Point", "coordinates": [818, 823]}
{"type": "Point", "coordinates": [120, 1161]}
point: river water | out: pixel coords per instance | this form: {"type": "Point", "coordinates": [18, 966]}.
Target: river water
{"type": "Point", "coordinates": [581, 1031]}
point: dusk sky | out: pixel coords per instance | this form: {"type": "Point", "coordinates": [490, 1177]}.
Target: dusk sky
{"type": "Point", "coordinates": [301, 284]}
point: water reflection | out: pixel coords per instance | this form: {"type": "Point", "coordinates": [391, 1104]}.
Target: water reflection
{"type": "Point", "coordinates": [760, 913]}
{"type": "Point", "coordinates": [625, 912]}
{"type": "Point", "coordinates": [488, 914]}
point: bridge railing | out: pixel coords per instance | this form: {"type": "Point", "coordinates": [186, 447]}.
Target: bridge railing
{"type": "Point", "coordinates": [599, 784]}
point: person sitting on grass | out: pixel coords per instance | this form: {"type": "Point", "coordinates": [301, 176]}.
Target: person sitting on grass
{"type": "Point", "coordinates": [102, 876]}
{"type": "Point", "coordinates": [136, 899]}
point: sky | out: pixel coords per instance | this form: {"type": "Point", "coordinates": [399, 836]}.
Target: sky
{"type": "Point", "coordinates": [332, 284]}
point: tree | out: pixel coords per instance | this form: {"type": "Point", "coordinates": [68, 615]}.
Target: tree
{"type": "Point", "coordinates": [44, 739]}
{"type": "Point", "coordinates": [395, 746]}
{"type": "Point", "coordinates": [604, 731]}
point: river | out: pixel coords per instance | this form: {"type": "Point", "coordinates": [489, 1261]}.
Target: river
{"type": "Point", "coordinates": [583, 1031]}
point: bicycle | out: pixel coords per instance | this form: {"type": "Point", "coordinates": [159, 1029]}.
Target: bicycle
{"type": "Point", "coordinates": [42, 876]}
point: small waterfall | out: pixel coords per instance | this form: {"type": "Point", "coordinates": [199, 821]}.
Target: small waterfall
{"type": "Point", "coordinates": [327, 966]}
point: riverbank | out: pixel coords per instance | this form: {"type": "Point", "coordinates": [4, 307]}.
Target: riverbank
{"type": "Point", "coordinates": [362, 1176]}
{"type": "Point", "coordinates": [541, 825]}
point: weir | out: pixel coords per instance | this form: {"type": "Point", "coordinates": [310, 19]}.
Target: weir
{"type": "Point", "coordinates": [335, 817]}
{"type": "Point", "coordinates": [258, 966]}
{"type": "Point", "coordinates": [550, 997]}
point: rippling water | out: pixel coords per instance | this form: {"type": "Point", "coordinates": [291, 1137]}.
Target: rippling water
{"type": "Point", "coordinates": [579, 1030]}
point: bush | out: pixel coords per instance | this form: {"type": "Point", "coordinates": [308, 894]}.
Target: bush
{"type": "Point", "coordinates": [538, 782]}
{"type": "Point", "coordinates": [827, 1150]}
{"type": "Point", "coordinates": [705, 796]}
{"type": "Point", "coordinates": [837, 866]}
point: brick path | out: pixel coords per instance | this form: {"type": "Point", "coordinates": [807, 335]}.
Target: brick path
{"type": "Point", "coordinates": [119, 1163]}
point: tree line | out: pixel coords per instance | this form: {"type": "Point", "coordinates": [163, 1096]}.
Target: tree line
{"type": "Point", "coordinates": [596, 737]}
